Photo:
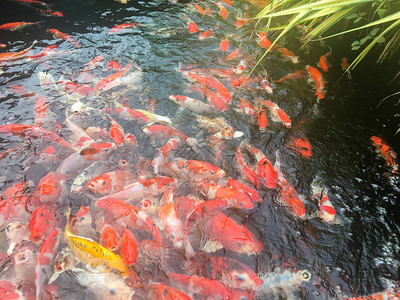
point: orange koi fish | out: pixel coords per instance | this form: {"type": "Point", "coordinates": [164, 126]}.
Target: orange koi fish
{"type": "Point", "coordinates": [288, 195]}
{"type": "Point", "coordinates": [287, 54]}
{"type": "Point", "coordinates": [49, 12]}
{"type": "Point", "coordinates": [128, 248]}
{"type": "Point", "coordinates": [318, 80]}
{"type": "Point", "coordinates": [192, 27]}
{"type": "Point", "coordinates": [64, 36]}
{"type": "Point", "coordinates": [49, 188]}
{"type": "Point", "coordinates": [247, 172]}
{"type": "Point", "coordinates": [194, 105]}
{"type": "Point", "coordinates": [388, 294]}
{"type": "Point", "coordinates": [94, 63]}
{"type": "Point", "coordinates": [125, 26]}
{"type": "Point", "coordinates": [161, 291]}
{"type": "Point", "coordinates": [233, 54]}
{"type": "Point", "coordinates": [344, 65]}
{"type": "Point", "coordinates": [42, 221]}
{"type": "Point", "coordinates": [111, 182]}
{"type": "Point", "coordinates": [278, 115]}
{"type": "Point", "coordinates": [262, 119]}
{"type": "Point", "coordinates": [11, 56]}
{"type": "Point", "coordinates": [164, 152]}
{"type": "Point", "coordinates": [46, 253]}
{"type": "Point", "coordinates": [320, 193]}
{"type": "Point", "coordinates": [31, 2]}
{"type": "Point", "coordinates": [241, 21]}
{"type": "Point", "coordinates": [224, 45]}
{"type": "Point", "coordinates": [2, 46]}
{"type": "Point", "coordinates": [116, 132]}
{"type": "Point", "coordinates": [119, 74]}
{"type": "Point", "coordinates": [301, 146]}
{"type": "Point", "coordinates": [127, 113]}
{"type": "Point", "coordinates": [386, 153]}
{"type": "Point", "coordinates": [108, 236]}
{"type": "Point", "coordinates": [266, 85]}
{"type": "Point", "coordinates": [243, 188]}
{"type": "Point", "coordinates": [163, 132]}
{"type": "Point", "coordinates": [199, 9]}
{"type": "Point", "coordinates": [263, 41]}
{"type": "Point", "coordinates": [298, 74]}
{"type": "Point", "coordinates": [207, 34]}
{"type": "Point", "coordinates": [215, 100]}
{"type": "Point", "coordinates": [45, 52]}
{"type": "Point", "coordinates": [16, 25]}
{"type": "Point", "coordinates": [245, 107]}
{"type": "Point", "coordinates": [113, 65]}
{"type": "Point", "coordinates": [192, 170]}
{"type": "Point", "coordinates": [323, 63]}
{"type": "Point", "coordinates": [222, 10]}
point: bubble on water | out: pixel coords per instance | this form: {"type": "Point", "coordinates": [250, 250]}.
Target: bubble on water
{"type": "Point", "coordinates": [298, 234]}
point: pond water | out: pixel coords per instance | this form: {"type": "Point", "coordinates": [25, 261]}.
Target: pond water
{"type": "Point", "coordinates": [357, 254]}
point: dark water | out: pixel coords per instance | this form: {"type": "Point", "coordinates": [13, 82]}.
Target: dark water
{"type": "Point", "coordinates": [359, 255]}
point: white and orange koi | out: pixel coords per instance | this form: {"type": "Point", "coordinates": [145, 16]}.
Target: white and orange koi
{"type": "Point", "coordinates": [277, 114]}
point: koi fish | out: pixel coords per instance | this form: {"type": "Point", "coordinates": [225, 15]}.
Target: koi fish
{"type": "Point", "coordinates": [49, 188]}
{"type": "Point", "coordinates": [46, 253]}
{"type": "Point", "coordinates": [164, 152]}
{"type": "Point", "coordinates": [288, 195]}
{"type": "Point", "coordinates": [223, 12]}
{"type": "Point", "coordinates": [194, 105]}
{"type": "Point", "coordinates": [233, 54]}
{"type": "Point", "coordinates": [88, 251]}
{"type": "Point", "coordinates": [387, 294]}
{"type": "Point", "coordinates": [17, 25]}
{"type": "Point", "coordinates": [125, 26]}
{"type": "Point", "coordinates": [110, 183]}
{"type": "Point", "coordinates": [263, 41]}
{"type": "Point", "coordinates": [64, 36]}
{"type": "Point", "coordinates": [116, 132]}
{"type": "Point", "coordinates": [262, 119]}
{"type": "Point", "coordinates": [287, 54]}
{"type": "Point", "coordinates": [301, 146]}
{"type": "Point", "coordinates": [7, 288]}
{"type": "Point", "coordinates": [199, 9]}
{"type": "Point", "coordinates": [323, 63]}
{"type": "Point", "coordinates": [128, 248]}
{"type": "Point", "coordinates": [30, 2]}
{"type": "Point", "coordinates": [46, 51]}
{"type": "Point", "coordinates": [207, 34]}
{"type": "Point", "coordinates": [318, 80]}
{"type": "Point", "coordinates": [127, 113]}
{"type": "Point", "coordinates": [11, 56]}
{"type": "Point", "coordinates": [111, 78]}
{"type": "Point", "coordinates": [42, 221]}
{"type": "Point", "coordinates": [108, 236]}
{"type": "Point", "coordinates": [162, 132]}
{"type": "Point", "coordinates": [298, 74]}
{"type": "Point", "coordinates": [277, 114]}
{"type": "Point", "coordinates": [154, 118]}
{"type": "Point", "coordinates": [245, 107]}
{"type": "Point", "coordinates": [113, 65]}
{"type": "Point", "coordinates": [161, 291]}
{"type": "Point", "coordinates": [17, 208]}
{"type": "Point", "coordinates": [224, 45]}
{"type": "Point", "coordinates": [386, 153]}
{"type": "Point", "coordinates": [94, 63]}
{"type": "Point", "coordinates": [192, 27]}
{"type": "Point", "coordinates": [243, 188]}
{"type": "Point", "coordinates": [247, 172]}
{"type": "Point", "coordinates": [49, 12]}
{"type": "Point", "coordinates": [16, 232]}
{"type": "Point", "coordinates": [266, 85]}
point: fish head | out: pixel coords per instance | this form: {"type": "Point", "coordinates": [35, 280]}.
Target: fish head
{"type": "Point", "coordinates": [101, 184]}
{"type": "Point", "coordinates": [43, 219]}
{"type": "Point", "coordinates": [83, 216]}
{"type": "Point", "coordinates": [266, 173]}
{"type": "Point", "coordinates": [130, 141]}
{"type": "Point", "coordinates": [97, 151]}
{"type": "Point", "coordinates": [247, 243]}
{"type": "Point", "coordinates": [7, 288]}
{"type": "Point", "coordinates": [49, 188]}
{"type": "Point", "coordinates": [16, 232]}
{"type": "Point", "coordinates": [240, 279]}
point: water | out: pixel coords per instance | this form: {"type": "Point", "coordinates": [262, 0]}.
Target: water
{"type": "Point", "coordinates": [358, 255]}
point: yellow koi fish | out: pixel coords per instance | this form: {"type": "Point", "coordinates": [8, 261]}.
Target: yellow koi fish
{"type": "Point", "coordinates": [88, 251]}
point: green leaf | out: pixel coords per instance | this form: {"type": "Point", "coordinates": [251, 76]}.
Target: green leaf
{"type": "Point", "coordinates": [364, 39]}
{"type": "Point", "coordinates": [355, 47]}
{"type": "Point", "coordinates": [355, 43]}
{"type": "Point", "coordinates": [374, 31]}
{"type": "Point", "coordinates": [357, 20]}
{"type": "Point", "coordinates": [381, 40]}
{"type": "Point", "coordinates": [381, 12]}
{"type": "Point", "coordinates": [351, 16]}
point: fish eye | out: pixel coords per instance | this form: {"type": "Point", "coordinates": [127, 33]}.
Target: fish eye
{"type": "Point", "coordinates": [265, 180]}
{"type": "Point", "coordinates": [103, 183]}
{"type": "Point", "coordinates": [243, 298]}
{"type": "Point", "coordinates": [212, 172]}
{"type": "Point", "coordinates": [306, 275]}
{"type": "Point", "coordinates": [18, 226]}
{"type": "Point", "coordinates": [241, 203]}
{"type": "Point", "coordinates": [42, 214]}
{"type": "Point", "coordinates": [240, 277]}
{"type": "Point", "coordinates": [113, 291]}
{"type": "Point", "coordinates": [47, 222]}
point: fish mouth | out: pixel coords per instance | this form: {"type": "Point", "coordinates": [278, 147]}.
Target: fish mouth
{"type": "Point", "coordinates": [35, 238]}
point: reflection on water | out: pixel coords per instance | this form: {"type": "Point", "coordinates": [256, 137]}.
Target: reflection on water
{"type": "Point", "coordinates": [111, 99]}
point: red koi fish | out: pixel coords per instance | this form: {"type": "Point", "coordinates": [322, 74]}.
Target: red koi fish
{"type": "Point", "coordinates": [169, 221]}
{"type": "Point", "coordinates": [288, 55]}
{"type": "Point", "coordinates": [111, 182]}
{"type": "Point", "coordinates": [234, 54]}
{"type": "Point", "coordinates": [192, 170]}
{"type": "Point", "coordinates": [17, 189]}
{"type": "Point", "coordinates": [49, 12]}
{"type": "Point", "coordinates": [223, 12]}
{"type": "Point", "coordinates": [388, 294]}
{"type": "Point", "coordinates": [127, 113]}
{"type": "Point", "coordinates": [30, 2]}
{"type": "Point", "coordinates": [164, 152]}
{"type": "Point", "coordinates": [12, 56]}
{"type": "Point", "coordinates": [386, 153]}
{"type": "Point", "coordinates": [277, 114]}
{"type": "Point", "coordinates": [213, 190]}
{"type": "Point", "coordinates": [108, 236]}
{"type": "Point", "coordinates": [323, 63]}
{"type": "Point", "coordinates": [207, 34]}
{"type": "Point", "coordinates": [192, 27]}
{"type": "Point", "coordinates": [117, 75]}
{"type": "Point", "coordinates": [247, 172]}
{"type": "Point", "coordinates": [231, 272]}
{"type": "Point", "coordinates": [42, 221]}
{"type": "Point", "coordinates": [244, 81]}
{"type": "Point", "coordinates": [243, 20]}
{"type": "Point", "coordinates": [298, 74]}
{"type": "Point", "coordinates": [288, 195]}
{"type": "Point", "coordinates": [49, 188]}
{"type": "Point", "coordinates": [221, 231]}
{"type": "Point", "coordinates": [318, 80]}
{"type": "Point", "coordinates": [194, 105]}
{"type": "Point", "coordinates": [75, 90]}
{"type": "Point", "coordinates": [263, 41]}
{"type": "Point", "coordinates": [116, 133]}
{"type": "Point", "coordinates": [113, 65]}
{"type": "Point", "coordinates": [199, 9]}
{"type": "Point", "coordinates": [81, 223]}
{"type": "Point", "coordinates": [344, 64]}
{"type": "Point", "coordinates": [125, 26]}
{"type": "Point", "coordinates": [262, 119]}
{"type": "Point", "coordinates": [11, 292]}
{"type": "Point", "coordinates": [94, 63]}
{"type": "Point", "coordinates": [33, 132]}
{"type": "Point", "coordinates": [224, 45]}
{"type": "Point", "coordinates": [16, 25]}
{"type": "Point", "coordinates": [64, 36]}
{"type": "Point", "coordinates": [46, 253]}
{"type": "Point", "coordinates": [163, 132]}
{"type": "Point", "coordinates": [123, 215]}
{"type": "Point", "coordinates": [245, 107]}
{"type": "Point", "coordinates": [161, 291]}
{"type": "Point", "coordinates": [128, 248]}
{"type": "Point", "coordinates": [215, 100]}
{"type": "Point", "coordinates": [243, 188]}
{"type": "Point", "coordinates": [45, 52]}
{"type": "Point", "coordinates": [301, 146]}
{"type": "Point", "coordinates": [266, 85]}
